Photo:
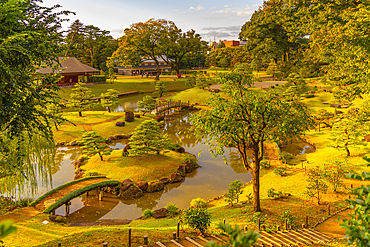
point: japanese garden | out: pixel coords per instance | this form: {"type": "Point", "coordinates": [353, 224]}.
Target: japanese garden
{"type": "Point", "coordinates": [160, 138]}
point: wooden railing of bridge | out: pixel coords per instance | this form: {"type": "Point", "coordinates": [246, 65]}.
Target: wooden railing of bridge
{"type": "Point", "coordinates": [163, 106]}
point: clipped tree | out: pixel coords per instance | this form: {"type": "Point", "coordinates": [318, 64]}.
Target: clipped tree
{"type": "Point", "coordinates": [323, 116]}
{"type": "Point", "coordinates": [93, 144]}
{"type": "Point", "coordinates": [198, 219]}
{"type": "Point", "coordinates": [191, 81]}
{"type": "Point", "coordinates": [235, 190]}
{"type": "Point", "coordinates": [148, 103]}
{"type": "Point", "coordinates": [109, 98]}
{"type": "Point", "coordinates": [160, 88]}
{"type": "Point", "coordinates": [201, 82]}
{"type": "Point", "coordinates": [148, 139]}
{"type": "Point", "coordinates": [317, 186]}
{"type": "Point", "coordinates": [358, 227]}
{"type": "Point", "coordinates": [246, 119]}
{"type": "Point", "coordinates": [335, 172]}
{"type": "Point", "coordinates": [54, 110]}
{"type": "Point", "coordinates": [81, 98]}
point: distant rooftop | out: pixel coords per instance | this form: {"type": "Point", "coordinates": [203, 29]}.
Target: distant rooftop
{"type": "Point", "coordinates": [69, 66]}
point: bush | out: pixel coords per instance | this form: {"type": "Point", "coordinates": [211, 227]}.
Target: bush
{"type": "Point", "coordinates": [198, 219]}
{"type": "Point", "coordinates": [148, 213]}
{"type": "Point", "coordinates": [172, 209]}
{"type": "Point", "coordinates": [235, 190]}
{"type": "Point", "coordinates": [189, 158]}
{"type": "Point", "coordinates": [97, 78]}
{"type": "Point", "coordinates": [265, 164]}
{"type": "Point", "coordinates": [254, 218]}
{"type": "Point", "coordinates": [272, 193]}
{"type": "Point", "coordinates": [286, 215]}
{"type": "Point", "coordinates": [307, 95]}
{"type": "Point", "coordinates": [91, 174]}
{"type": "Point", "coordinates": [280, 171]}
{"type": "Point", "coordinates": [198, 203]}
{"type": "Point", "coordinates": [285, 156]}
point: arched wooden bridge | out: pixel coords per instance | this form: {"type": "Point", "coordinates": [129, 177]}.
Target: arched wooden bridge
{"type": "Point", "coordinates": [167, 105]}
{"type": "Point", "coordinates": [66, 192]}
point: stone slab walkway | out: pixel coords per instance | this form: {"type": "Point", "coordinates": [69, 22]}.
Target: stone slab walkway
{"type": "Point", "coordinates": [20, 215]}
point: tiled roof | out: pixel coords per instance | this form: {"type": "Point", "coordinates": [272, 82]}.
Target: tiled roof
{"type": "Point", "coordinates": [69, 66]}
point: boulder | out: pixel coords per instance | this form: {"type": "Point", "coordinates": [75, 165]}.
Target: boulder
{"type": "Point", "coordinates": [180, 150]}
{"type": "Point", "coordinates": [125, 185]}
{"type": "Point", "coordinates": [181, 171]}
{"type": "Point", "coordinates": [120, 124]}
{"type": "Point", "coordinates": [125, 150]}
{"type": "Point", "coordinates": [143, 186]}
{"type": "Point", "coordinates": [131, 193]}
{"type": "Point", "coordinates": [109, 139]}
{"type": "Point", "coordinates": [158, 118]}
{"type": "Point", "coordinates": [57, 218]}
{"type": "Point", "coordinates": [62, 144]}
{"type": "Point", "coordinates": [155, 186]}
{"type": "Point", "coordinates": [74, 143]}
{"type": "Point", "coordinates": [189, 167]}
{"type": "Point", "coordinates": [164, 180]}
{"type": "Point", "coordinates": [214, 90]}
{"type": "Point", "coordinates": [129, 116]}
{"type": "Point", "coordinates": [78, 176]}
{"type": "Point", "coordinates": [160, 213]}
{"type": "Point", "coordinates": [118, 137]}
{"type": "Point", "coordinates": [126, 136]}
{"type": "Point", "coordinates": [175, 178]}
{"type": "Point", "coordinates": [79, 161]}
{"type": "Point", "coordinates": [137, 115]}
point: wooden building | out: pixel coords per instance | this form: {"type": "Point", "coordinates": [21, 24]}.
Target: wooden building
{"type": "Point", "coordinates": [72, 71]}
{"type": "Point", "coordinates": [147, 67]}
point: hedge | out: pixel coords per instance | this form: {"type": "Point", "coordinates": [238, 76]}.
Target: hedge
{"type": "Point", "coordinates": [61, 187]}
{"type": "Point", "coordinates": [97, 78]}
{"type": "Point", "coordinates": [79, 192]}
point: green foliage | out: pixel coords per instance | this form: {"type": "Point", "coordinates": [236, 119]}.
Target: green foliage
{"type": "Point", "coordinates": [81, 98]}
{"type": "Point", "coordinates": [191, 81]}
{"type": "Point", "coordinates": [54, 110]}
{"type": "Point", "coordinates": [335, 172]}
{"type": "Point", "coordinates": [189, 158]}
{"type": "Point", "coordinates": [198, 203]}
{"type": "Point", "coordinates": [235, 190]}
{"type": "Point", "coordinates": [160, 88]}
{"type": "Point", "coordinates": [6, 228]}
{"type": "Point", "coordinates": [197, 219]}
{"type": "Point", "coordinates": [237, 237]}
{"type": "Point", "coordinates": [258, 215]}
{"type": "Point", "coordinates": [148, 103]}
{"type": "Point", "coordinates": [317, 186]}
{"type": "Point", "coordinates": [109, 98]}
{"type": "Point", "coordinates": [201, 82]}
{"type": "Point", "coordinates": [272, 193]}
{"type": "Point", "coordinates": [286, 215]}
{"type": "Point", "coordinates": [281, 171]}
{"type": "Point", "coordinates": [265, 164]}
{"type": "Point", "coordinates": [323, 116]}
{"type": "Point", "coordinates": [358, 227]}
{"type": "Point", "coordinates": [147, 139]}
{"type": "Point", "coordinates": [172, 209]}
{"type": "Point", "coordinates": [93, 144]}
{"type": "Point", "coordinates": [96, 78]}
{"type": "Point", "coordinates": [147, 213]}
{"type": "Point", "coordinates": [285, 156]}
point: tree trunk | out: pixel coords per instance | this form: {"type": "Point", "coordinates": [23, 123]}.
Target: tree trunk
{"type": "Point", "coordinates": [101, 156]}
{"type": "Point", "coordinates": [108, 109]}
{"type": "Point", "coordinates": [347, 150]}
{"type": "Point", "coordinates": [56, 126]}
{"type": "Point", "coordinates": [177, 69]}
{"type": "Point", "coordinates": [80, 114]}
{"type": "Point", "coordinates": [256, 191]}
{"type": "Point", "coordinates": [158, 72]}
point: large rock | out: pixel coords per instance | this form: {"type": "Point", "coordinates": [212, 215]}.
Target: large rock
{"type": "Point", "coordinates": [137, 116]}
{"type": "Point", "coordinates": [175, 178]}
{"type": "Point", "coordinates": [181, 171]}
{"type": "Point", "coordinates": [155, 186]}
{"type": "Point", "coordinates": [160, 213]}
{"type": "Point", "coordinates": [131, 193]}
{"type": "Point", "coordinates": [79, 161]}
{"type": "Point", "coordinates": [125, 185]}
{"type": "Point", "coordinates": [189, 167]}
{"type": "Point", "coordinates": [121, 124]}
{"type": "Point", "coordinates": [78, 176]}
{"type": "Point", "coordinates": [143, 186]}
{"type": "Point", "coordinates": [164, 180]}
{"type": "Point", "coordinates": [158, 118]}
{"type": "Point", "coordinates": [129, 116]}
{"type": "Point", "coordinates": [118, 137]}
{"type": "Point", "coordinates": [125, 150]}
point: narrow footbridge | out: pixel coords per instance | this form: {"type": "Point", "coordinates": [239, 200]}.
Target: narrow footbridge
{"type": "Point", "coordinates": [66, 192]}
{"type": "Point", "coordinates": [163, 106]}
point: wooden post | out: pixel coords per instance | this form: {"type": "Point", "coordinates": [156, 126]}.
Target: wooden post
{"type": "Point", "coordinates": [286, 224]}
{"type": "Point", "coordinates": [100, 195]}
{"type": "Point", "coordinates": [53, 212]}
{"type": "Point", "coordinates": [146, 242]}
{"type": "Point", "coordinates": [306, 223]}
{"type": "Point", "coordinates": [178, 230]}
{"type": "Point", "coordinates": [245, 228]}
{"type": "Point", "coordinates": [224, 221]}
{"type": "Point", "coordinates": [259, 224]}
{"type": "Point", "coordinates": [188, 103]}
{"type": "Point", "coordinates": [59, 244]}
{"type": "Point", "coordinates": [105, 244]}
{"type": "Point", "coordinates": [129, 237]}
{"type": "Point", "coordinates": [305, 169]}
{"type": "Point", "coordinates": [67, 208]}
{"type": "Point", "coordinates": [329, 209]}
{"type": "Point", "coordinates": [174, 235]}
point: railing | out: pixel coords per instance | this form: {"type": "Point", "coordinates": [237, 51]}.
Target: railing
{"type": "Point", "coordinates": [167, 105]}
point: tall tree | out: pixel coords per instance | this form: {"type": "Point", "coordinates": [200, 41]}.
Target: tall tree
{"type": "Point", "coordinates": [245, 118]}
{"type": "Point", "coordinates": [81, 99]}
{"type": "Point", "coordinates": [29, 39]}
{"type": "Point", "coordinates": [109, 98]}
{"type": "Point", "coordinates": [142, 41]}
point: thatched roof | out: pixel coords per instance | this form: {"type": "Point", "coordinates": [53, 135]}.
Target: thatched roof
{"type": "Point", "coordinates": [69, 66]}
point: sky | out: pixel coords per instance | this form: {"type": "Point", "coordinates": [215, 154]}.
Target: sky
{"type": "Point", "coordinates": [213, 20]}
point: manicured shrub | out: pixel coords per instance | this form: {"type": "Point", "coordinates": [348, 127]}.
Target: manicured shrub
{"type": "Point", "coordinates": [235, 190]}
{"type": "Point", "coordinates": [272, 193]}
{"type": "Point", "coordinates": [286, 215]}
{"type": "Point", "coordinates": [197, 219]}
{"type": "Point", "coordinates": [172, 209]}
{"type": "Point", "coordinates": [280, 171]}
{"type": "Point", "coordinates": [147, 213]}
{"type": "Point", "coordinates": [198, 203]}
{"type": "Point", "coordinates": [265, 164]}
{"type": "Point", "coordinates": [255, 216]}
{"type": "Point", "coordinates": [97, 78]}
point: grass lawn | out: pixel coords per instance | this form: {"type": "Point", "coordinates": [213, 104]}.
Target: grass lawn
{"type": "Point", "coordinates": [193, 95]}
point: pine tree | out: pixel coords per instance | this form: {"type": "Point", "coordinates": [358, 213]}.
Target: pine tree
{"type": "Point", "coordinates": [81, 98]}
{"type": "Point", "coordinates": [160, 88]}
{"type": "Point", "coordinates": [109, 98]}
{"type": "Point", "coordinates": [148, 139]}
{"type": "Point", "coordinates": [93, 144]}
{"type": "Point", "coordinates": [54, 110]}
{"type": "Point", "coordinates": [148, 103]}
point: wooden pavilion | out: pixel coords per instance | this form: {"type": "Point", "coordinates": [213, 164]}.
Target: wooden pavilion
{"type": "Point", "coordinates": [72, 71]}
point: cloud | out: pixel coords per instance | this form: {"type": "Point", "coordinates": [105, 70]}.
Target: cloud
{"type": "Point", "coordinates": [242, 11]}
{"type": "Point", "coordinates": [230, 28]}
{"type": "Point", "coordinates": [117, 32]}
{"type": "Point", "coordinates": [221, 33]}
{"type": "Point", "coordinates": [200, 7]}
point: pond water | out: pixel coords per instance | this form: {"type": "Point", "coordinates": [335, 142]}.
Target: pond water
{"type": "Point", "coordinates": [207, 182]}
